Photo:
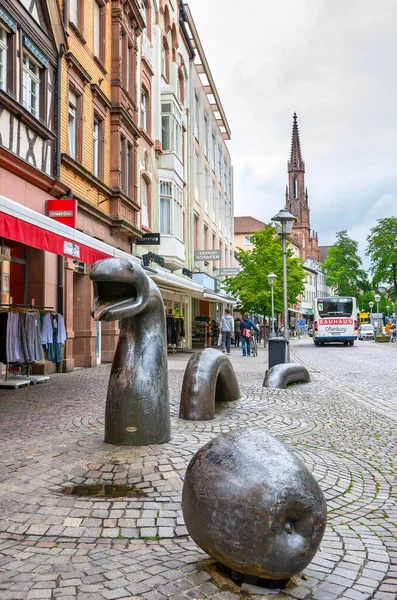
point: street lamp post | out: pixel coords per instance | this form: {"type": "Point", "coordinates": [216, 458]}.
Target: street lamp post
{"type": "Point", "coordinates": [371, 305]}
{"type": "Point", "coordinates": [272, 279]}
{"type": "Point", "coordinates": [283, 222]}
{"type": "Point", "coordinates": [377, 300]}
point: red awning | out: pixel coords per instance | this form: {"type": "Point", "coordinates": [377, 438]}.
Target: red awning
{"type": "Point", "coordinates": [38, 237]}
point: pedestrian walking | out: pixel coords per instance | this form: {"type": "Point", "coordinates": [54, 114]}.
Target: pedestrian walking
{"type": "Point", "coordinates": [237, 332]}
{"type": "Point", "coordinates": [245, 327]}
{"type": "Point", "coordinates": [227, 328]}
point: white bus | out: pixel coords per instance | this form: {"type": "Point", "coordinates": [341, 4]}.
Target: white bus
{"type": "Point", "coordinates": [335, 320]}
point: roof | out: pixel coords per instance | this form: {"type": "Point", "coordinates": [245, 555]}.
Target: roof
{"type": "Point", "coordinates": [247, 224]}
{"type": "Point", "coordinates": [208, 82]}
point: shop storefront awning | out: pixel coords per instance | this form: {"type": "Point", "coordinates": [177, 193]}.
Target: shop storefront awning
{"type": "Point", "coordinates": [293, 310]}
{"type": "Point", "coordinates": [169, 281]}
{"type": "Point", "coordinates": [24, 225]}
{"type": "Point", "coordinates": [308, 311]}
{"type": "Point", "coordinates": [221, 298]}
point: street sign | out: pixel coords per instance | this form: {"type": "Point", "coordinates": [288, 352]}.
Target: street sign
{"type": "Point", "coordinates": [149, 239]}
{"type": "Point", "coordinates": [207, 255]}
{"type": "Point", "coordinates": [229, 272]}
{"type": "Point", "coordinates": [301, 323]}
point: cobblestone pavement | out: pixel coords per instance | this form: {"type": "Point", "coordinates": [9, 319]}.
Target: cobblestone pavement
{"type": "Point", "coordinates": [54, 545]}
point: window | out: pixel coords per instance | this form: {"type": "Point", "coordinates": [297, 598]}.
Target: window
{"type": "Point", "coordinates": [206, 237]}
{"type": "Point", "coordinates": [197, 166]}
{"type": "Point", "coordinates": [178, 140]}
{"type": "Point", "coordinates": [180, 92]}
{"type": "Point", "coordinates": [296, 188]}
{"type": "Point", "coordinates": [219, 164]}
{"type": "Point", "coordinates": [97, 29]}
{"type": "Point", "coordinates": [126, 163]}
{"type": "Point", "coordinates": [206, 135]}
{"type": "Point", "coordinates": [225, 175]}
{"type": "Point", "coordinates": [197, 115]}
{"type": "Point", "coordinates": [213, 151]}
{"type": "Point", "coordinates": [144, 120]}
{"type": "Point", "coordinates": [31, 85]}
{"type": "Point", "coordinates": [171, 129]}
{"type": "Point", "coordinates": [145, 203]}
{"type": "Point", "coordinates": [72, 125]}
{"type": "Point", "coordinates": [74, 12]}
{"type": "Point", "coordinates": [247, 240]}
{"type": "Point", "coordinates": [3, 58]}
{"type": "Point", "coordinates": [196, 233]}
{"type": "Point", "coordinates": [206, 191]}
{"type": "Point", "coordinates": [164, 60]}
{"type": "Point", "coordinates": [166, 126]}
{"type": "Point", "coordinates": [295, 208]}
{"type": "Point", "coordinates": [165, 207]}
{"type": "Point", "coordinates": [95, 149]}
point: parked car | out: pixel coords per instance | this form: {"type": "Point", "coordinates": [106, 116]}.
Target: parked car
{"type": "Point", "coordinates": [310, 332]}
{"type": "Point", "coordinates": [366, 332]}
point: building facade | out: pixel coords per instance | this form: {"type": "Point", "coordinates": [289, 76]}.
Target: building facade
{"type": "Point", "coordinates": [297, 199]}
{"type": "Point", "coordinates": [99, 113]}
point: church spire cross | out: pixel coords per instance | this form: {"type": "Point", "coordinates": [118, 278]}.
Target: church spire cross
{"type": "Point", "coordinates": [295, 163]}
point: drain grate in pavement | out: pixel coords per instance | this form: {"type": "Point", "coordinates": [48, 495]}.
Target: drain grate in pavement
{"type": "Point", "coordinates": [104, 491]}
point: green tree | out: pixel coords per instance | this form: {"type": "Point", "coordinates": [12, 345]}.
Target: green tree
{"type": "Point", "coordinates": [251, 284]}
{"type": "Point", "coordinates": [343, 267]}
{"type": "Point", "coordinates": [382, 250]}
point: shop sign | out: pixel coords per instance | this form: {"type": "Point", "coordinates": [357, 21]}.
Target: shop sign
{"type": "Point", "coordinates": [63, 211]}
{"type": "Point", "coordinates": [230, 272]}
{"type": "Point", "coordinates": [149, 239]}
{"type": "Point", "coordinates": [152, 257]}
{"type": "Point", "coordinates": [207, 255]}
{"type": "Point", "coordinates": [71, 249]}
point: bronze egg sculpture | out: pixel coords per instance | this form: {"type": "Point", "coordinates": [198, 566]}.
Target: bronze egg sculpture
{"type": "Point", "coordinates": [251, 504]}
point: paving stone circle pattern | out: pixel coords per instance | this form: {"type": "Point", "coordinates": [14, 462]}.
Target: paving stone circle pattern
{"type": "Point", "coordinates": [54, 545]}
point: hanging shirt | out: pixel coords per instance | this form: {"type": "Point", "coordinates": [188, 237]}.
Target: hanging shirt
{"type": "Point", "coordinates": [53, 328]}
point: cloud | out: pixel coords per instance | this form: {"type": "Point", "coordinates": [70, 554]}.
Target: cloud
{"type": "Point", "coordinates": [331, 63]}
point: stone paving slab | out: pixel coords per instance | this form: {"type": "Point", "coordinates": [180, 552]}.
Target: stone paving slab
{"type": "Point", "coordinates": [53, 545]}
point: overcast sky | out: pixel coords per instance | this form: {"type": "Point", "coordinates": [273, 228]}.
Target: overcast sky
{"type": "Point", "coordinates": [331, 61]}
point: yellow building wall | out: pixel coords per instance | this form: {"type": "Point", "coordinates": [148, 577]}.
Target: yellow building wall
{"type": "Point", "coordinates": [84, 54]}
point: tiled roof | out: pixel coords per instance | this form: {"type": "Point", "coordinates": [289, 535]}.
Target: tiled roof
{"type": "Point", "coordinates": [247, 224]}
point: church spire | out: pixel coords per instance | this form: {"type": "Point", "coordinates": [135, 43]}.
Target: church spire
{"type": "Point", "coordinates": [295, 163]}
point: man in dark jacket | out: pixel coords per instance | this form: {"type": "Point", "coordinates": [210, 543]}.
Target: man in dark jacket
{"type": "Point", "coordinates": [246, 323]}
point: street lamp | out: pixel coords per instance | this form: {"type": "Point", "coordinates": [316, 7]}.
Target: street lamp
{"type": "Point", "coordinates": [272, 280]}
{"type": "Point", "coordinates": [377, 300]}
{"type": "Point", "coordinates": [371, 305]}
{"type": "Point", "coordinates": [283, 222]}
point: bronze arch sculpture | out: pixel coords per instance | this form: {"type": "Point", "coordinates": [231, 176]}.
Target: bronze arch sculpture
{"type": "Point", "coordinates": [137, 405]}
{"type": "Point", "coordinates": [251, 504]}
{"type": "Point", "coordinates": [279, 376]}
{"type": "Point", "coordinates": [209, 376]}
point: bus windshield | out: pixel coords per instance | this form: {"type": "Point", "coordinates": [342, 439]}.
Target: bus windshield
{"type": "Point", "coordinates": [335, 307]}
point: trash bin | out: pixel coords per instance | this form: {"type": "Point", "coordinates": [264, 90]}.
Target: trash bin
{"type": "Point", "coordinates": [278, 351]}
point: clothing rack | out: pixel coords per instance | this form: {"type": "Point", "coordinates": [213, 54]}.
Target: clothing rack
{"type": "Point", "coordinates": [20, 380]}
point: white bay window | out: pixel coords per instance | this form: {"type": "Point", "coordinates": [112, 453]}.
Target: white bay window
{"type": "Point", "coordinates": [31, 84]}
{"type": "Point", "coordinates": [171, 209]}
{"type": "Point", "coordinates": [3, 58]}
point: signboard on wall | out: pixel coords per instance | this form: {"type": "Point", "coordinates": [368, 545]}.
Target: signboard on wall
{"type": "Point", "coordinates": [63, 211]}
{"type": "Point", "coordinates": [149, 239]}
{"type": "Point", "coordinates": [207, 255]}
{"type": "Point", "coordinates": [229, 272]}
